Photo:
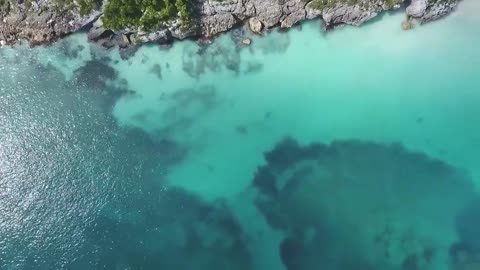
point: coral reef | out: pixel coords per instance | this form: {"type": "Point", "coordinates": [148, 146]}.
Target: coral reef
{"type": "Point", "coordinates": [352, 203]}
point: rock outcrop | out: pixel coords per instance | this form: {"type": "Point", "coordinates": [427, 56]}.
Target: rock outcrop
{"type": "Point", "coordinates": [417, 8]}
{"type": "Point", "coordinates": [438, 10]}
{"type": "Point", "coordinates": [41, 23]}
{"type": "Point", "coordinates": [255, 25]}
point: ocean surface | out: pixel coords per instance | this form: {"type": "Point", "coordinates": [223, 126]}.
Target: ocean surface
{"type": "Point", "coordinates": [357, 149]}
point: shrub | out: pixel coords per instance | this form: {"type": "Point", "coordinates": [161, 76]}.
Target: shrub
{"type": "Point", "coordinates": [148, 14]}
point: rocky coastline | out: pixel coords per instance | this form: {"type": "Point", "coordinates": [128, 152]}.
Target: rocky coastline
{"type": "Point", "coordinates": [42, 24]}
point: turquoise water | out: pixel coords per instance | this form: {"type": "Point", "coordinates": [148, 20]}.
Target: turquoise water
{"type": "Point", "coordinates": [355, 149]}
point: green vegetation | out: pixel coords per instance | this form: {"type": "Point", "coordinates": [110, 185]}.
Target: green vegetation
{"type": "Point", "coordinates": [392, 3]}
{"type": "Point", "coordinates": [5, 6]}
{"type": "Point", "coordinates": [322, 4]}
{"type": "Point", "coordinates": [60, 6]}
{"type": "Point", "coordinates": [147, 14]}
{"type": "Point", "coordinates": [84, 7]}
{"type": "Point", "coordinates": [440, 1]}
{"type": "Point", "coordinates": [182, 7]}
{"type": "Point", "coordinates": [119, 14]}
{"type": "Point", "coordinates": [87, 6]}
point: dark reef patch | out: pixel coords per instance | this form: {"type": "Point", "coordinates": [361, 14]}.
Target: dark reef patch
{"type": "Point", "coordinates": [291, 253]}
{"type": "Point", "coordinates": [128, 52]}
{"type": "Point", "coordinates": [468, 227]}
{"type": "Point", "coordinates": [237, 35]}
{"type": "Point", "coordinates": [144, 59]}
{"type": "Point", "coordinates": [327, 198]}
{"type": "Point", "coordinates": [156, 69]}
{"type": "Point", "coordinates": [242, 129]}
{"type": "Point", "coordinates": [205, 96]}
{"type": "Point", "coordinates": [70, 50]}
{"type": "Point", "coordinates": [96, 73]}
{"type": "Point", "coordinates": [158, 228]}
{"type": "Point", "coordinates": [197, 61]}
{"type": "Point", "coordinates": [253, 67]}
{"type": "Point", "coordinates": [99, 75]}
{"type": "Point", "coordinates": [183, 106]}
{"type": "Point", "coordinates": [276, 46]}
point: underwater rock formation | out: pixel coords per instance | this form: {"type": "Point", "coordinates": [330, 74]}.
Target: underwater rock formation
{"type": "Point", "coordinates": [466, 253]}
{"type": "Point", "coordinates": [158, 228]}
{"type": "Point", "coordinates": [357, 203]}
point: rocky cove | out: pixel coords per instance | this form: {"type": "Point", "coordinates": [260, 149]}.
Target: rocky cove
{"type": "Point", "coordinates": [42, 22]}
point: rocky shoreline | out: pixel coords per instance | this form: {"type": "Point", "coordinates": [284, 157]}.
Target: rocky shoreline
{"type": "Point", "coordinates": [41, 24]}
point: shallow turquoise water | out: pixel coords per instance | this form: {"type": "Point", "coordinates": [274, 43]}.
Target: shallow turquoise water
{"type": "Point", "coordinates": [356, 149]}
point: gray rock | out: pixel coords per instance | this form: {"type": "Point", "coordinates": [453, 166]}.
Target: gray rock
{"type": "Point", "coordinates": [98, 32]}
{"type": "Point", "coordinates": [179, 32]}
{"type": "Point", "coordinates": [255, 25]}
{"type": "Point", "coordinates": [268, 12]}
{"type": "Point", "coordinates": [312, 13]}
{"type": "Point", "coordinates": [437, 11]}
{"type": "Point", "coordinates": [162, 37]}
{"type": "Point", "coordinates": [212, 25]}
{"type": "Point", "coordinates": [417, 8]}
{"type": "Point", "coordinates": [294, 12]}
{"type": "Point", "coordinates": [293, 18]}
{"type": "Point", "coordinates": [42, 24]}
{"type": "Point", "coordinates": [347, 14]}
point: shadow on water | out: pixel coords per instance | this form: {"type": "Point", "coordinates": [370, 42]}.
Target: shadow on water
{"type": "Point", "coordinates": [156, 69]}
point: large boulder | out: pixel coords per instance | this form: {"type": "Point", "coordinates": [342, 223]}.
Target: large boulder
{"type": "Point", "coordinates": [98, 32]}
{"type": "Point", "coordinates": [417, 8]}
{"type": "Point", "coordinates": [255, 25]}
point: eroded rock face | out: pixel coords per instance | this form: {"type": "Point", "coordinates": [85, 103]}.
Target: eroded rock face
{"type": "Point", "coordinates": [348, 14]}
{"type": "Point", "coordinates": [262, 14]}
{"type": "Point", "coordinates": [437, 11]}
{"type": "Point", "coordinates": [43, 25]}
